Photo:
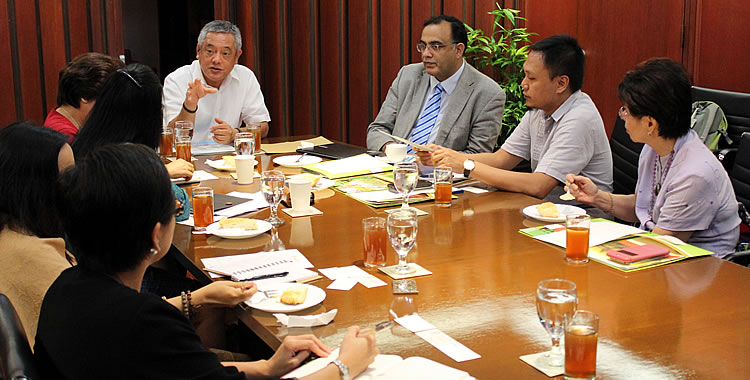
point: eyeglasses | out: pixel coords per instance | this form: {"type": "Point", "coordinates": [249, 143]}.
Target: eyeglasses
{"type": "Point", "coordinates": [623, 112]}
{"type": "Point", "coordinates": [434, 46]}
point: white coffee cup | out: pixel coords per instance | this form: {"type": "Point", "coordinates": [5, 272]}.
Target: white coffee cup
{"type": "Point", "coordinates": [299, 189]}
{"type": "Point", "coordinates": [245, 172]}
{"type": "Point", "coordinates": [395, 152]}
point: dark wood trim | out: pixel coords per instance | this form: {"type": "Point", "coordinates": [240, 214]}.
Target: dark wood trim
{"type": "Point", "coordinates": [66, 30]}
{"type": "Point", "coordinates": [690, 30]}
{"type": "Point", "coordinates": [286, 81]}
{"type": "Point", "coordinates": [89, 25]}
{"type": "Point", "coordinates": [103, 21]}
{"type": "Point", "coordinates": [314, 72]}
{"type": "Point", "coordinates": [17, 91]}
{"type": "Point", "coordinates": [370, 67]}
{"type": "Point", "coordinates": [343, 75]}
{"type": "Point", "coordinates": [40, 48]}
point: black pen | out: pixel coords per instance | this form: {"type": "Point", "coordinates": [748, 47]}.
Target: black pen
{"type": "Point", "coordinates": [265, 276]}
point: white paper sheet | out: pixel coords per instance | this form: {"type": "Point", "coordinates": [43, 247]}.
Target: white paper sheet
{"type": "Point", "coordinates": [346, 277]}
{"type": "Point", "coordinates": [306, 320]}
{"type": "Point", "coordinates": [437, 338]}
{"type": "Point", "coordinates": [202, 148]}
{"type": "Point", "coordinates": [600, 233]}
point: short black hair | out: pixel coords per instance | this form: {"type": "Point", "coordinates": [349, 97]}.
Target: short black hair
{"type": "Point", "coordinates": [458, 29]}
{"type": "Point", "coordinates": [110, 203]}
{"type": "Point", "coordinates": [127, 110]}
{"type": "Point", "coordinates": [83, 78]}
{"type": "Point", "coordinates": [563, 56]}
{"type": "Point", "coordinates": [660, 88]}
{"type": "Point", "coordinates": [28, 168]}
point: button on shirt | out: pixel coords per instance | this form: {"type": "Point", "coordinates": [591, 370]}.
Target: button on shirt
{"type": "Point", "coordinates": [448, 86]}
{"type": "Point", "coordinates": [571, 140]}
{"type": "Point", "coordinates": [238, 99]}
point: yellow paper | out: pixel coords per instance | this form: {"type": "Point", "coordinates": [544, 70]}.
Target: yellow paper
{"type": "Point", "coordinates": [292, 146]}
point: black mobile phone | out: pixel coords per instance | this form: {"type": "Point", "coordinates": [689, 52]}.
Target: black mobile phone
{"type": "Point", "coordinates": [421, 185]}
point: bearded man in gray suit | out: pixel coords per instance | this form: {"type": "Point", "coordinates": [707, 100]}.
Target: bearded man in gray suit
{"type": "Point", "coordinates": [443, 100]}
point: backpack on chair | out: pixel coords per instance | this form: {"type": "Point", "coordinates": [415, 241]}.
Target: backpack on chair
{"type": "Point", "coordinates": [710, 123]}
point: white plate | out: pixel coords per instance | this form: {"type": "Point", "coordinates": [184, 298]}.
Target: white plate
{"type": "Point", "coordinates": [315, 295]}
{"type": "Point", "coordinates": [532, 212]}
{"type": "Point", "coordinates": [291, 161]}
{"type": "Point", "coordinates": [220, 165]}
{"type": "Point", "coordinates": [238, 233]}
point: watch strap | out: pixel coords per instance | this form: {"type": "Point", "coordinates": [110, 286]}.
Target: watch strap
{"type": "Point", "coordinates": [343, 369]}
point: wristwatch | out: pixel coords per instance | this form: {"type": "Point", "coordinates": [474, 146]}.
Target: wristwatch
{"type": "Point", "coordinates": [343, 370]}
{"type": "Point", "coordinates": [468, 167]}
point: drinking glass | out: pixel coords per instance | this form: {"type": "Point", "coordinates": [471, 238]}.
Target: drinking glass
{"type": "Point", "coordinates": [405, 175]}
{"type": "Point", "coordinates": [166, 142]}
{"type": "Point", "coordinates": [374, 241]}
{"type": "Point", "coordinates": [182, 146]}
{"type": "Point", "coordinates": [244, 143]}
{"type": "Point", "coordinates": [255, 130]}
{"type": "Point", "coordinates": [577, 238]}
{"type": "Point", "coordinates": [556, 300]}
{"type": "Point", "coordinates": [272, 184]}
{"type": "Point", "coordinates": [186, 126]}
{"type": "Point", "coordinates": [443, 186]}
{"type": "Point", "coordinates": [402, 231]}
{"type": "Point", "coordinates": [581, 333]}
{"type": "Point", "coordinates": [203, 207]}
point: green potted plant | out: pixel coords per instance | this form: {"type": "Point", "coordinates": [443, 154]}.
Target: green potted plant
{"type": "Point", "coordinates": [503, 51]}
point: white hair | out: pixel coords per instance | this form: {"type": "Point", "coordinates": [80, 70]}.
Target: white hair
{"type": "Point", "coordinates": [221, 26]}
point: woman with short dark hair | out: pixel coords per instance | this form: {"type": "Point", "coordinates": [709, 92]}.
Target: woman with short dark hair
{"type": "Point", "coordinates": [682, 188]}
{"type": "Point", "coordinates": [78, 87]}
{"type": "Point", "coordinates": [94, 321]}
{"type": "Point", "coordinates": [32, 251]}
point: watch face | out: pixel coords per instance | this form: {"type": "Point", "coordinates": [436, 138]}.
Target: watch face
{"type": "Point", "coordinates": [469, 164]}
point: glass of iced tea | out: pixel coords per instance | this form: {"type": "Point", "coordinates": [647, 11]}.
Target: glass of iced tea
{"type": "Point", "coordinates": [166, 142]}
{"type": "Point", "coordinates": [581, 334]}
{"type": "Point", "coordinates": [255, 130]}
{"type": "Point", "coordinates": [443, 186]}
{"type": "Point", "coordinates": [203, 207]}
{"type": "Point", "coordinates": [182, 146]}
{"type": "Point", "coordinates": [244, 143]}
{"type": "Point", "coordinates": [375, 241]}
{"type": "Point", "coordinates": [577, 238]}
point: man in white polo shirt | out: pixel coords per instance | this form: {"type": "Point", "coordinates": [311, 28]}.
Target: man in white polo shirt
{"type": "Point", "coordinates": [214, 92]}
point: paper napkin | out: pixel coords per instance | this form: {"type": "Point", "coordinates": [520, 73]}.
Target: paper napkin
{"type": "Point", "coordinates": [306, 320]}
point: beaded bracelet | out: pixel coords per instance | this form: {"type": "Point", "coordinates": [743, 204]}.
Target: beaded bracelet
{"type": "Point", "coordinates": [185, 304]}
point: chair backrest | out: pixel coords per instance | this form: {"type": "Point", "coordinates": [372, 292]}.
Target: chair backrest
{"type": "Point", "coordinates": [736, 107]}
{"type": "Point", "coordinates": [625, 155]}
{"type": "Point", "coordinates": [740, 173]}
{"type": "Point", "coordinates": [16, 359]}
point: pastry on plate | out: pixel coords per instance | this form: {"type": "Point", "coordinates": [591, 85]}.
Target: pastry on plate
{"type": "Point", "coordinates": [229, 161]}
{"type": "Point", "coordinates": [294, 295]}
{"type": "Point", "coordinates": [244, 223]}
{"type": "Point", "coordinates": [548, 210]}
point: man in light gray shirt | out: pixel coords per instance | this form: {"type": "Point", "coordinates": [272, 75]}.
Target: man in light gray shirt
{"type": "Point", "coordinates": [562, 132]}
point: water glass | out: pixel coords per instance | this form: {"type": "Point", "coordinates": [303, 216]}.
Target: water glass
{"type": "Point", "coordinates": [556, 300]}
{"type": "Point", "coordinates": [405, 175]}
{"type": "Point", "coordinates": [402, 232]}
{"type": "Point", "coordinates": [272, 185]}
{"type": "Point", "coordinates": [244, 143]}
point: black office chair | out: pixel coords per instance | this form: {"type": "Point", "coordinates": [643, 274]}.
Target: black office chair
{"type": "Point", "coordinates": [740, 176]}
{"type": "Point", "coordinates": [625, 155]}
{"type": "Point", "coordinates": [736, 107]}
{"type": "Point", "coordinates": [16, 359]}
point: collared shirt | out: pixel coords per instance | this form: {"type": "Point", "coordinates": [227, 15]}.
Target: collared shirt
{"type": "Point", "coordinates": [570, 141]}
{"type": "Point", "coordinates": [448, 86]}
{"type": "Point", "coordinates": [696, 195]}
{"type": "Point", "coordinates": [238, 99]}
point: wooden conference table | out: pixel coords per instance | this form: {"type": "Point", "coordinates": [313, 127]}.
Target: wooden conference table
{"type": "Point", "coordinates": [684, 320]}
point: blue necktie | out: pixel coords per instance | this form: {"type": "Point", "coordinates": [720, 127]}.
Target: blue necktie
{"type": "Point", "coordinates": [421, 132]}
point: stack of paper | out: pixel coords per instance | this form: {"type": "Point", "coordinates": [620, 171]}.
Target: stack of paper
{"type": "Point", "coordinates": [250, 265]}
{"type": "Point", "coordinates": [347, 167]}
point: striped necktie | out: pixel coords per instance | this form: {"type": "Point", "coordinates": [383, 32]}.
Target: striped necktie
{"type": "Point", "coordinates": [421, 132]}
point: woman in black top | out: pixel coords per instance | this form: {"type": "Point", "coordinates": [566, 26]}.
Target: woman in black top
{"type": "Point", "coordinates": [94, 322]}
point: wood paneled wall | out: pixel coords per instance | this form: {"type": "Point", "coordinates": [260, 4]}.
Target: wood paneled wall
{"type": "Point", "coordinates": [325, 66]}
{"type": "Point", "coordinates": [37, 38]}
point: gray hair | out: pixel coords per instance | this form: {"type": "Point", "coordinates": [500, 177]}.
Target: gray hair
{"type": "Point", "coordinates": [221, 26]}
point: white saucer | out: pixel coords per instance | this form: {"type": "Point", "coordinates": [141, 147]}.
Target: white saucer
{"type": "Point", "coordinates": [291, 161]}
